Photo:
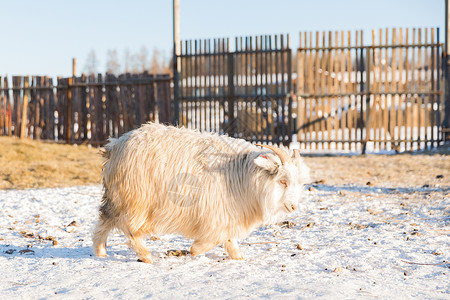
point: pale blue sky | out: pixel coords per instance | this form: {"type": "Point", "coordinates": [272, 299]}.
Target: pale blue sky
{"type": "Point", "coordinates": [40, 37]}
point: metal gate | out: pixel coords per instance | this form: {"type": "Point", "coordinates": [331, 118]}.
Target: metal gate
{"type": "Point", "coordinates": [242, 93]}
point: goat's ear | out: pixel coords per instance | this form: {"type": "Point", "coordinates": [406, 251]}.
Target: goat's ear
{"type": "Point", "coordinates": [268, 162]}
{"type": "Point", "coordinates": [303, 170]}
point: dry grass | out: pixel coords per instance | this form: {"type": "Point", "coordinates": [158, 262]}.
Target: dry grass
{"type": "Point", "coordinates": [402, 170]}
{"type": "Point", "coordinates": [30, 164]}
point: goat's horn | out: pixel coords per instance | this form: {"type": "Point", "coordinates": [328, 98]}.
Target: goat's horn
{"type": "Point", "coordinates": [284, 157]}
{"type": "Point", "coordinates": [296, 153]}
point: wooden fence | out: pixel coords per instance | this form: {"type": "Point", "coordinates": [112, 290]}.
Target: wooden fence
{"type": "Point", "coordinates": [86, 109]}
{"type": "Point", "coordinates": [387, 95]}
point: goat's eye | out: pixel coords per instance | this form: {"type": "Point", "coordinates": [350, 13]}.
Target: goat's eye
{"type": "Point", "coordinates": [283, 181]}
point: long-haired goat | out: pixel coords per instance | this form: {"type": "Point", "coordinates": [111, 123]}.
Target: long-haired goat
{"type": "Point", "coordinates": [213, 189]}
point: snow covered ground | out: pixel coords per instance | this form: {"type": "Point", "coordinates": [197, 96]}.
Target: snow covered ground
{"type": "Point", "coordinates": [346, 242]}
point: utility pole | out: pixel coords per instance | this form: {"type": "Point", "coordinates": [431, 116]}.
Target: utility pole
{"type": "Point", "coordinates": [446, 64]}
{"type": "Point", "coordinates": [176, 65]}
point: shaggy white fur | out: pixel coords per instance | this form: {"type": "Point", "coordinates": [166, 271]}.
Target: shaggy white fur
{"type": "Point", "coordinates": [214, 189]}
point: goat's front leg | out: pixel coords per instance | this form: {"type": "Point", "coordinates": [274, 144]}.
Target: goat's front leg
{"type": "Point", "coordinates": [233, 249]}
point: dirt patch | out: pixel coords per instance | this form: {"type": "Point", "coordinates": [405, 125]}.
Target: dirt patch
{"type": "Point", "coordinates": [31, 164]}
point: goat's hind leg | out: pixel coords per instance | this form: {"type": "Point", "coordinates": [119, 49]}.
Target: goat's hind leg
{"type": "Point", "coordinates": [100, 236]}
{"type": "Point", "coordinates": [233, 249]}
{"type": "Point", "coordinates": [199, 247]}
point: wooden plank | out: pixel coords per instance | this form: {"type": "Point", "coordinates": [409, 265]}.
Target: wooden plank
{"type": "Point", "coordinates": [60, 92]}
{"type": "Point", "coordinates": [9, 107]}
{"type": "Point", "coordinates": [24, 117]}
{"type": "Point", "coordinates": [408, 102]}
{"type": "Point", "coordinates": [17, 89]}
{"type": "Point", "coordinates": [316, 90]}
{"type": "Point", "coordinates": [303, 101]}
{"type": "Point", "coordinates": [36, 97]}
{"type": "Point", "coordinates": [414, 104]}
{"type": "Point", "coordinates": [321, 101]}
{"type": "Point", "coordinates": [433, 112]}
{"type": "Point", "coordinates": [331, 72]}
{"type": "Point", "coordinates": [360, 86]}
{"type": "Point", "coordinates": [6, 106]}
{"type": "Point", "coordinates": [43, 107]}
{"type": "Point", "coordinates": [109, 106]}
{"type": "Point", "coordinates": [426, 75]}
{"type": "Point", "coordinates": [392, 111]}
{"type": "Point", "coordinates": [84, 109]}
{"type": "Point", "coordinates": [100, 117]}
{"type": "Point", "coordinates": [300, 87]}
{"type": "Point", "coordinates": [400, 87]}
{"type": "Point", "coordinates": [75, 102]}
{"type": "Point", "coordinates": [420, 85]}
{"type": "Point", "coordinates": [311, 89]}
{"type": "Point", "coordinates": [2, 109]}
{"type": "Point", "coordinates": [343, 123]}
{"type": "Point", "coordinates": [376, 87]}
{"type": "Point", "coordinates": [51, 110]}
{"type": "Point", "coordinates": [368, 98]}
{"type": "Point", "coordinates": [350, 88]}
{"type": "Point", "coordinates": [335, 89]}
{"type": "Point", "coordinates": [380, 99]}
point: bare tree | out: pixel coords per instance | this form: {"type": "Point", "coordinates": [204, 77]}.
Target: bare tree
{"type": "Point", "coordinates": [91, 63]}
{"type": "Point", "coordinates": [167, 65]}
{"type": "Point", "coordinates": [132, 62]}
{"type": "Point", "coordinates": [156, 57]}
{"type": "Point", "coordinates": [112, 64]}
{"type": "Point", "coordinates": [141, 59]}
{"type": "Point", "coordinates": [127, 60]}
{"type": "Point", "coordinates": [137, 62]}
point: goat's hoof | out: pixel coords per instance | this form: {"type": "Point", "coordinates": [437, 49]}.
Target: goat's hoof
{"type": "Point", "coordinates": [101, 252]}
{"type": "Point", "coordinates": [237, 256]}
{"type": "Point", "coordinates": [147, 260]}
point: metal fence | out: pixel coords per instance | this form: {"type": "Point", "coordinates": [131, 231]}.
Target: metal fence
{"type": "Point", "coordinates": [387, 95]}
{"type": "Point", "coordinates": [243, 93]}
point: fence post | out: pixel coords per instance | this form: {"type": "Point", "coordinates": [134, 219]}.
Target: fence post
{"type": "Point", "coordinates": [176, 65]}
{"type": "Point", "coordinates": [26, 91]}
{"type": "Point", "coordinates": [74, 67]}
{"type": "Point", "coordinates": [69, 110]}
{"type": "Point", "coordinates": [231, 98]}
{"type": "Point", "coordinates": [290, 93]}
{"type": "Point", "coordinates": [446, 65]}
{"type": "Point", "coordinates": [367, 95]}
